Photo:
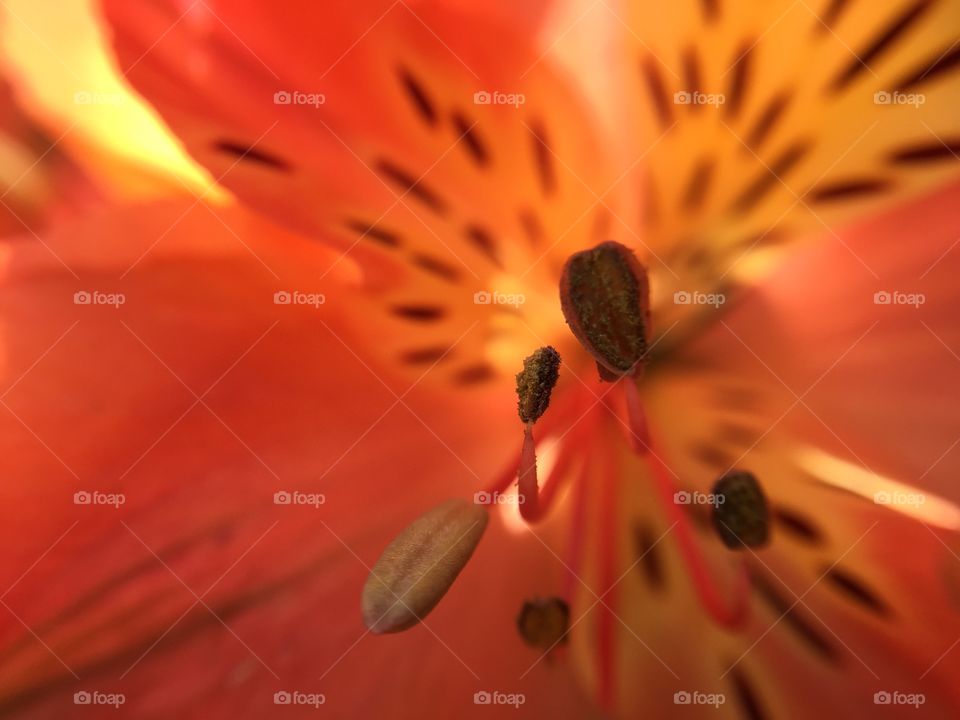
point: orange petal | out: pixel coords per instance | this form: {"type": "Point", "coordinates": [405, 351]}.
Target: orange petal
{"type": "Point", "coordinates": [104, 399]}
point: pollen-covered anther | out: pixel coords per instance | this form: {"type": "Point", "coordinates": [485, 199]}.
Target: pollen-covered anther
{"type": "Point", "coordinates": [420, 565]}
{"type": "Point", "coordinates": [535, 383]}
{"type": "Point", "coordinates": [543, 623]}
{"type": "Point", "coordinates": [604, 295]}
{"type": "Point", "coordinates": [740, 512]}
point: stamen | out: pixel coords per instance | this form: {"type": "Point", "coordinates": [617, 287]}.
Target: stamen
{"type": "Point", "coordinates": [604, 295]}
{"type": "Point", "coordinates": [727, 615]}
{"type": "Point", "coordinates": [544, 623]}
{"type": "Point", "coordinates": [419, 566]}
{"type": "Point", "coordinates": [535, 383]}
{"type": "Point", "coordinates": [740, 513]}
{"type": "Point", "coordinates": [534, 386]}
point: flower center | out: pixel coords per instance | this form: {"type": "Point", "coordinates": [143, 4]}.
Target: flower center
{"type": "Point", "coordinates": [604, 298]}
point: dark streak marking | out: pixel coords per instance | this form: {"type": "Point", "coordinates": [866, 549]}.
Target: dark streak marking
{"type": "Point", "coordinates": [860, 64]}
{"type": "Point", "coordinates": [411, 185]}
{"type": "Point", "coordinates": [847, 189]}
{"type": "Point", "coordinates": [419, 313]}
{"type": "Point", "coordinates": [711, 455]}
{"type": "Point", "coordinates": [481, 239]}
{"type": "Point", "coordinates": [691, 74]}
{"type": "Point", "coordinates": [436, 267]}
{"type": "Point", "coordinates": [738, 81]}
{"type": "Point", "coordinates": [531, 226]}
{"type": "Point", "coordinates": [698, 184]}
{"type": "Point", "coordinates": [711, 10]}
{"type": "Point", "coordinates": [474, 374]}
{"type": "Point", "coordinates": [940, 62]}
{"type": "Point", "coordinates": [424, 356]}
{"type": "Point", "coordinates": [797, 526]}
{"type": "Point", "coordinates": [747, 695]}
{"type": "Point", "coordinates": [373, 232]}
{"type": "Point", "coordinates": [935, 151]}
{"type": "Point", "coordinates": [543, 159]}
{"type": "Point", "coordinates": [767, 121]}
{"type": "Point", "coordinates": [786, 608]}
{"type": "Point", "coordinates": [658, 91]}
{"type": "Point", "coordinates": [736, 434]}
{"type": "Point", "coordinates": [773, 236]}
{"type": "Point", "coordinates": [771, 176]}
{"type": "Point", "coordinates": [650, 561]}
{"type": "Point", "coordinates": [466, 131]}
{"type": "Point", "coordinates": [418, 96]}
{"type": "Point", "coordinates": [830, 16]}
{"type": "Point", "coordinates": [854, 589]}
{"type": "Point", "coordinates": [251, 154]}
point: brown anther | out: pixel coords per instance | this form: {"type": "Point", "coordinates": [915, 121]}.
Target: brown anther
{"type": "Point", "coordinates": [740, 513]}
{"type": "Point", "coordinates": [544, 623]}
{"type": "Point", "coordinates": [604, 295]}
{"type": "Point", "coordinates": [535, 383]}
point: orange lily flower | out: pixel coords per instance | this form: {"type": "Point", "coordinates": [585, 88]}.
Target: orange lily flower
{"type": "Point", "coordinates": [223, 421]}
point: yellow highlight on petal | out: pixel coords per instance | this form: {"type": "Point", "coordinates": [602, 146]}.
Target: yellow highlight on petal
{"type": "Point", "coordinates": [63, 66]}
{"type": "Point", "coordinates": [898, 496]}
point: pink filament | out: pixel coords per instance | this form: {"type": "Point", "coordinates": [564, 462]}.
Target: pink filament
{"type": "Point", "coordinates": [527, 487]}
{"type": "Point", "coordinates": [608, 583]}
{"type": "Point", "coordinates": [639, 433]}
